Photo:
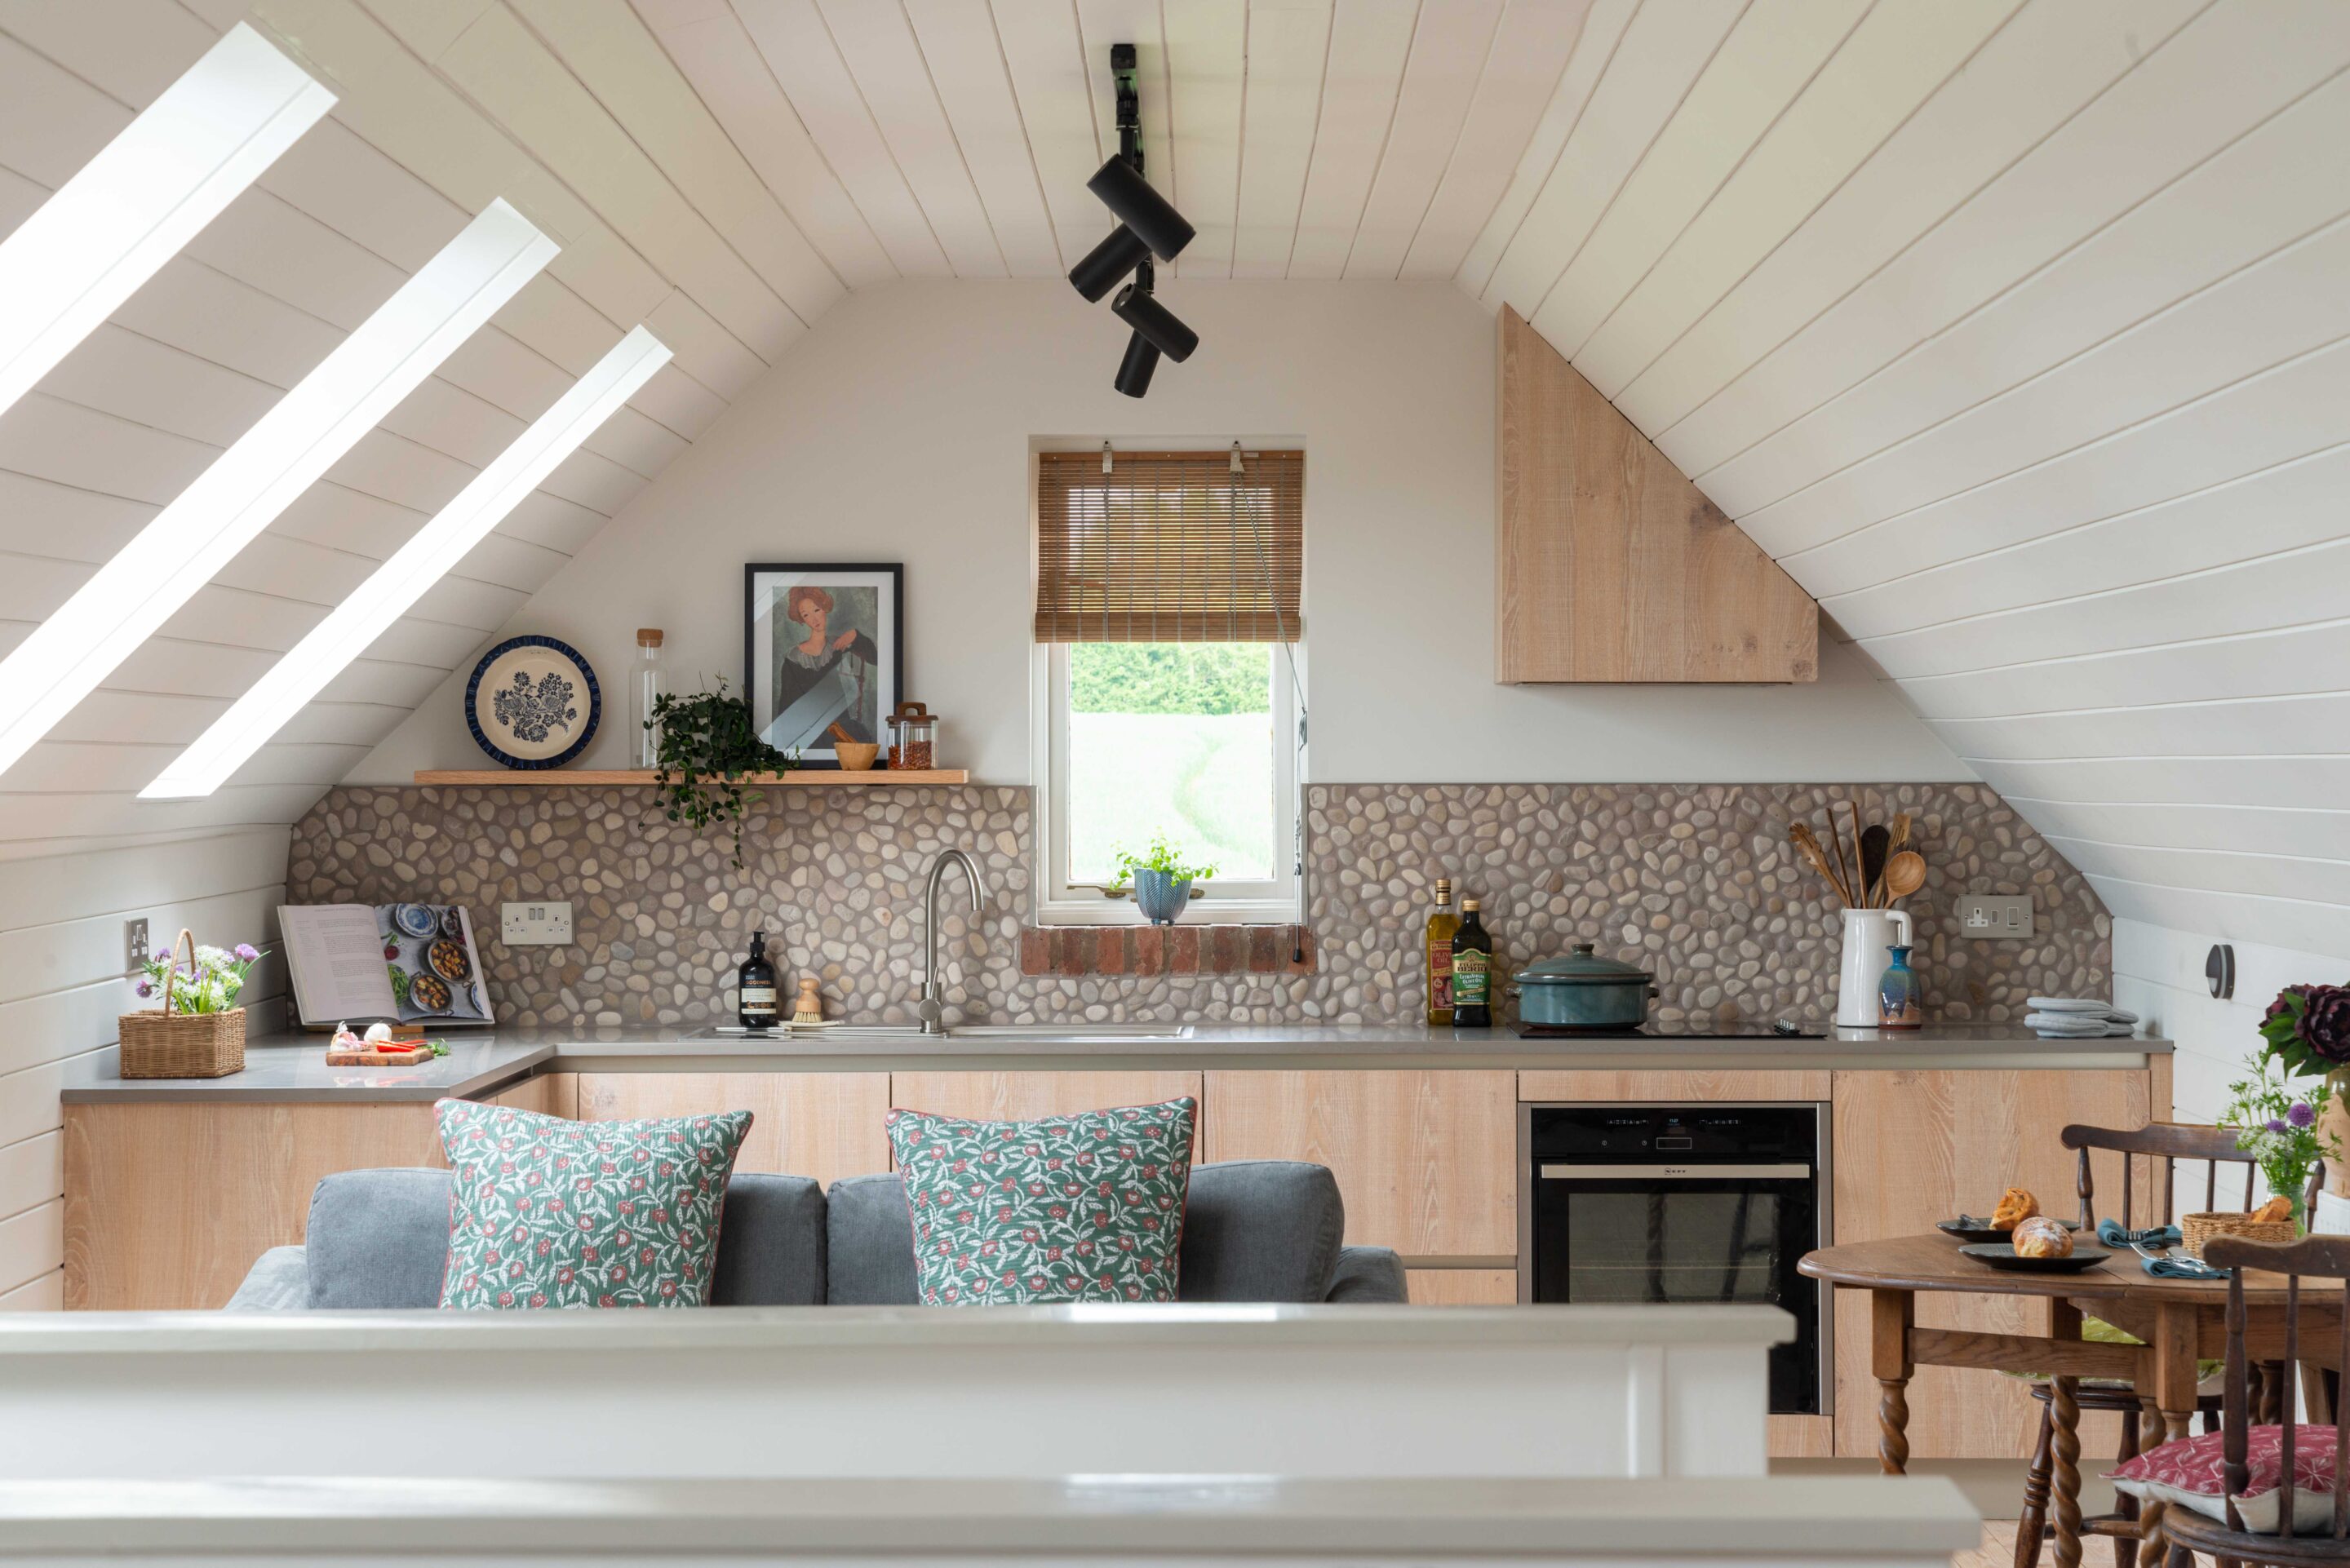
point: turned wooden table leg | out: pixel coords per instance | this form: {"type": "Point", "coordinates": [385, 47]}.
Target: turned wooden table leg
{"type": "Point", "coordinates": [2171, 1350]}
{"type": "Point", "coordinates": [2064, 1468]}
{"type": "Point", "coordinates": [1891, 1315]}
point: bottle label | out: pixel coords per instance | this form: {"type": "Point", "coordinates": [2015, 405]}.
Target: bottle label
{"type": "Point", "coordinates": [1440, 976]}
{"type": "Point", "coordinates": [758, 999]}
{"type": "Point", "coordinates": [1471, 970]}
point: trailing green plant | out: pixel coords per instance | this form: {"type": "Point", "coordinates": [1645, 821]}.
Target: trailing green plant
{"type": "Point", "coordinates": [707, 745]}
{"type": "Point", "coordinates": [1162, 857]}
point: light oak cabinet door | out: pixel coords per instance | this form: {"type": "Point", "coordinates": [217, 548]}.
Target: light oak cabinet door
{"type": "Point", "coordinates": [1426, 1161]}
{"type": "Point", "coordinates": [167, 1205]}
{"type": "Point", "coordinates": [1462, 1287]}
{"type": "Point", "coordinates": [820, 1125]}
{"type": "Point", "coordinates": [1912, 1147]}
{"type": "Point", "coordinates": [548, 1093]}
{"type": "Point", "coordinates": [1027, 1097]}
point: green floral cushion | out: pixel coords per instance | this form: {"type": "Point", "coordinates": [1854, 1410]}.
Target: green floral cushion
{"type": "Point", "coordinates": [1071, 1209]}
{"type": "Point", "coordinates": [546, 1213]}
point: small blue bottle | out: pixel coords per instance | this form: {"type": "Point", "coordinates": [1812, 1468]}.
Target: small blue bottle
{"type": "Point", "coordinates": [1900, 994]}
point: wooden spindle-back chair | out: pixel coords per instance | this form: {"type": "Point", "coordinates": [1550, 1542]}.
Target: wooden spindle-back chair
{"type": "Point", "coordinates": [2167, 1143]}
{"type": "Point", "coordinates": [2186, 1532]}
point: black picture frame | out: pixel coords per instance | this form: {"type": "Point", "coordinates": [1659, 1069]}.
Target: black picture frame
{"type": "Point", "coordinates": [887, 579]}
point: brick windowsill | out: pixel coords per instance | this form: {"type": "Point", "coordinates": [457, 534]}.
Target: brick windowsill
{"type": "Point", "coordinates": [1163, 950]}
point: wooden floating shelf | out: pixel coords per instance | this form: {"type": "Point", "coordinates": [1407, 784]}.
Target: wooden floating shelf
{"type": "Point", "coordinates": [801, 778]}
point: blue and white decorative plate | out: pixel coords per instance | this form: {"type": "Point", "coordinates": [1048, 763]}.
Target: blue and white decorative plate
{"type": "Point", "coordinates": [533, 702]}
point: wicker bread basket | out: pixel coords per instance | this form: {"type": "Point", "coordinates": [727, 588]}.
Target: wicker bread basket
{"type": "Point", "coordinates": [2195, 1230]}
{"type": "Point", "coordinates": [173, 1044]}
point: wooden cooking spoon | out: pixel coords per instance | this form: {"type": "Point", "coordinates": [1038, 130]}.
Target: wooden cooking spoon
{"type": "Point", "coordinates": [1873, 841]}
{"type": "Point", "coordinates": [1904, 875]}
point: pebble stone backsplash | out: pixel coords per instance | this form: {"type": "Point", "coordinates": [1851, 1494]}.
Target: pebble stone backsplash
{"type": "Point", "coordinates": [1695, 881]}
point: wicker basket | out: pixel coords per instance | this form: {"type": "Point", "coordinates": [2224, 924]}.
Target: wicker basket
{"type": "Point", "coordinates": [168, 1044]}
{"type": "Point", "coordinates": [2195, 1230]}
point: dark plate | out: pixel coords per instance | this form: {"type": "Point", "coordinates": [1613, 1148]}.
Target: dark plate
{"type": "Point", "coordinates": [1983, 1234]}
{"type": "Point", "coordinates": [2002, 1255]}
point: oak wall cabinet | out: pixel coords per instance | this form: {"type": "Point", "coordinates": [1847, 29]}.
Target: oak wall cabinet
{"type": "Point", "coordinates": [1609, 564]}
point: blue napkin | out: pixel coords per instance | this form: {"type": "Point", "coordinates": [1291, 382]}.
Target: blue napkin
{"type": "Point", "coordinates": [2111, 1233]}
{"type": "Point", "coordinates": [2182, 1269]}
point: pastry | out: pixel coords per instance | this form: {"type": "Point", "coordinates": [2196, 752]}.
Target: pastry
{"type": "Point", "coordinates": [2015, 1206]}
{"type": "Point", "coordinates": [2040, 1237]}
{"type": "Point", "coordinates": [2274, 1209]}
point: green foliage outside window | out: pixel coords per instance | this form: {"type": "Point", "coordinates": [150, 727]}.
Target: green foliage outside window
{"type": "Point", "coordinates": [1204, 678]}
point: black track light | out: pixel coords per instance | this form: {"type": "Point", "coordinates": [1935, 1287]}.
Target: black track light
{"type": "Point", "coordinates": [1128, 196]}
{"type": "Point", "coordinates": [1134, 370]}
{"type": "Point", "coordinates": [1140, 309]}
{"type": "Point", "coordinates": [1107, 262]}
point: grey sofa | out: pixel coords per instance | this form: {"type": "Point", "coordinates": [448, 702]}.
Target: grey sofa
{"type": "Point", "coordinates": [1254, 1230]}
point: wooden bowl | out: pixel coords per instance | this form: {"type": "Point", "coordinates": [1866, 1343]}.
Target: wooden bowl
{"type": "Point", "coordinates": [856, 756]}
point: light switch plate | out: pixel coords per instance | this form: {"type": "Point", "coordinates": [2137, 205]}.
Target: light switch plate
{"type": "Point", "coordinates": [135, 950]}
{"type": "Point", "coordinates": [546, 923]}
{"type": "Point", "coordinates": [1986, 915]}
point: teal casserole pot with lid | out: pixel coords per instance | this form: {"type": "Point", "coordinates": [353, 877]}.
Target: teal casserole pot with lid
{"type": "Point", "coordinates": [1584, 993]}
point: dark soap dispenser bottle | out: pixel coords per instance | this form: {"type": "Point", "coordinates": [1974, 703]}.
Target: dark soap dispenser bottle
{"type": "Point", "coordinates": [755, 1001]}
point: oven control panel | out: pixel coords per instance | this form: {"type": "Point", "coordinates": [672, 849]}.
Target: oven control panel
{"type": "Point", "coordinates": [1634, 1133]}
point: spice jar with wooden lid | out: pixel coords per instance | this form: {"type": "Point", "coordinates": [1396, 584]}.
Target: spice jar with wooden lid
{"type": "Point", "coordinates": [913, 735]}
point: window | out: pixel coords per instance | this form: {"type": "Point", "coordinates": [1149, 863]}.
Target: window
{"type": "Point", "coordinates": [1170, 676]}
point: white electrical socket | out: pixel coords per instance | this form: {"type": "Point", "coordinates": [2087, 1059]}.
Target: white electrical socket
{"type": "Point", "coordinates": [546, 923]}
{"type": "Point", "coordinates": [1994, 918]}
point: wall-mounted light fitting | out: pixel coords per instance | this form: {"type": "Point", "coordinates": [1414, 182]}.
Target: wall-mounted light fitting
{"type": "Point", "coordinates": [1148, 225]}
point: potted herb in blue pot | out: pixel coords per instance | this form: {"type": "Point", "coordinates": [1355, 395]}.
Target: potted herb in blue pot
{"type": "Point", "coordinates": [1162, 881]}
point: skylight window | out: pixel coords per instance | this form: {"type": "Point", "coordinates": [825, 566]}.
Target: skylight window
{"type": "Point", "coordinates": [187, 543]}
{"type": "Point", "coordinates": [132, 207]}
{"type": "Point", "coordinates": [415, 566]}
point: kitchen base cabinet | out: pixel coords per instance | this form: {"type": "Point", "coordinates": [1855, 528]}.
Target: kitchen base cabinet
{"type": "Point", "coordinates": [1462, 1287]}
{"type": "Point", "coordinates": [167, 1205]}
{"type": "Point", "coordinates": [1427, 1161]}
{"type": "Point", "coordinates": [1914, 1147]}
{"type": "Point", "coordinates": [822, 1125]}
{"type": "Point", "coordinates": [549, 1094]}
{"type": "Point", "coordinates": [1029, 1096]}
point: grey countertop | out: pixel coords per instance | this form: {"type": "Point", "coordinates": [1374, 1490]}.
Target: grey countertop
{"type": "Point", "coordinates": [292, 1066]}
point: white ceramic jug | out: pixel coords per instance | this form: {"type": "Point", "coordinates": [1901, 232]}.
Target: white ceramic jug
{"type": "Point", "coordinates": [1866, 934]}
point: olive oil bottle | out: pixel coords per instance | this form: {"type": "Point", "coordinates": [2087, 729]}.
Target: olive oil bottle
{"type": "Point", "coordinates": [1472, 971]}
{"type": "Point", "coordinates": [1441, 924]}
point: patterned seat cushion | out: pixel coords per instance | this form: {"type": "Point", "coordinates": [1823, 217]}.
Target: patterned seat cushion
{"type": "Point", "coordinates": [546, 1213]}
{"type": "Point", "coordinates": [1069, 1208]}
{"type": "Point", "coordinates": [2192, 1472]}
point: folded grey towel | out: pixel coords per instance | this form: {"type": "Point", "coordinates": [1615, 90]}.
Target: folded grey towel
{"type": "Point", "coordinates": [2067, 1005]}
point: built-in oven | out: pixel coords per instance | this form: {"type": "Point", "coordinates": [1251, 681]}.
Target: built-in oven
{"type": "Point", "coordinates": [1669, 1205]}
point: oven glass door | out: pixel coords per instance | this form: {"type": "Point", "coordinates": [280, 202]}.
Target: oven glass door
{"type": "Point", "coordinates": [1672, 1235]}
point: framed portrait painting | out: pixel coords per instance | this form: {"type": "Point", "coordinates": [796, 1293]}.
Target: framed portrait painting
{"type": "Point", "coordinates": [824, 653]}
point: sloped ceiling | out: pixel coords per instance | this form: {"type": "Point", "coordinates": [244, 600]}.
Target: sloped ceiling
{"type": "Point", "coordinates": [2011, 327]}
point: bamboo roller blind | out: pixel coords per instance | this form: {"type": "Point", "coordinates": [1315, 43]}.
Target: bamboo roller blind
{"type": "Point", "coordinates": [1169, 546]}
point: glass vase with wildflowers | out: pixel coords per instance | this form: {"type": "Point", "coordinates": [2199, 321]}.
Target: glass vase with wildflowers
{"type": "Point", "coordinates": [2276, 1123]}
{"type": "Point", "coordinates": [210, 985]}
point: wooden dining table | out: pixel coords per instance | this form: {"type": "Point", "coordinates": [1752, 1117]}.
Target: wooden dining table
{"type": "Point", "coordinates": [2181, 1322]}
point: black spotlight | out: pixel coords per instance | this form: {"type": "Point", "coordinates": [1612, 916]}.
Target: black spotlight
{"type": "Point", "coordinates": [1107, 262]}
{"type": "Point", "coordinates": [1134, 370]}
{"type": "Point", "coordinates": [1138, 308]}
{"type": "Point", "coordinates": [1127, 195]}
{"type": "Point", "coordinates": [1148, 225]}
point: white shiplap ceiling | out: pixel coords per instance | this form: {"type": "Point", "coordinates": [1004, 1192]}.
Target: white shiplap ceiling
{"type": "Point", "coordinates": [2012, 328]}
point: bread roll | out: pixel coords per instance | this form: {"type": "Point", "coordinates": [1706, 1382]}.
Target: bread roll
{"type": "Point", "coordinates": [2274, 1209]}
{"type": "Point", "coordinates": [2015, 1206]}
{"type": "Point", "coordinates": [2040, 1237]}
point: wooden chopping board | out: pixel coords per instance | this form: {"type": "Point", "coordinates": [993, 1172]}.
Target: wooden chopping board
{"type": "Point", "coordinates": [375, 1056]}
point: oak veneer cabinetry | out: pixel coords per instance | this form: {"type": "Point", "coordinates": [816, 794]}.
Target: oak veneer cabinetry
{"type": "Point", "coordinates": [1912, 1147]}
{"type": "Point", "coordinates": [168, 1205]}
{"type": "Point", "coordinates": [1609, 563]}
{"type": "Point", "coordinates": [1029, 1096]}
{"type": "Point", "coordinates": [1427, 1161]}
{"type": "Point", "coordinates": [821, 1125]}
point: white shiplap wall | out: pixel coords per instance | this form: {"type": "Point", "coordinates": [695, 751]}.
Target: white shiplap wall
{"type": "Point", "coordinates": [61, 989]}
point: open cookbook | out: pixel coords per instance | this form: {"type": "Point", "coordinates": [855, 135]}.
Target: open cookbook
{"type": "Point", "coordinates": [396, 963]}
